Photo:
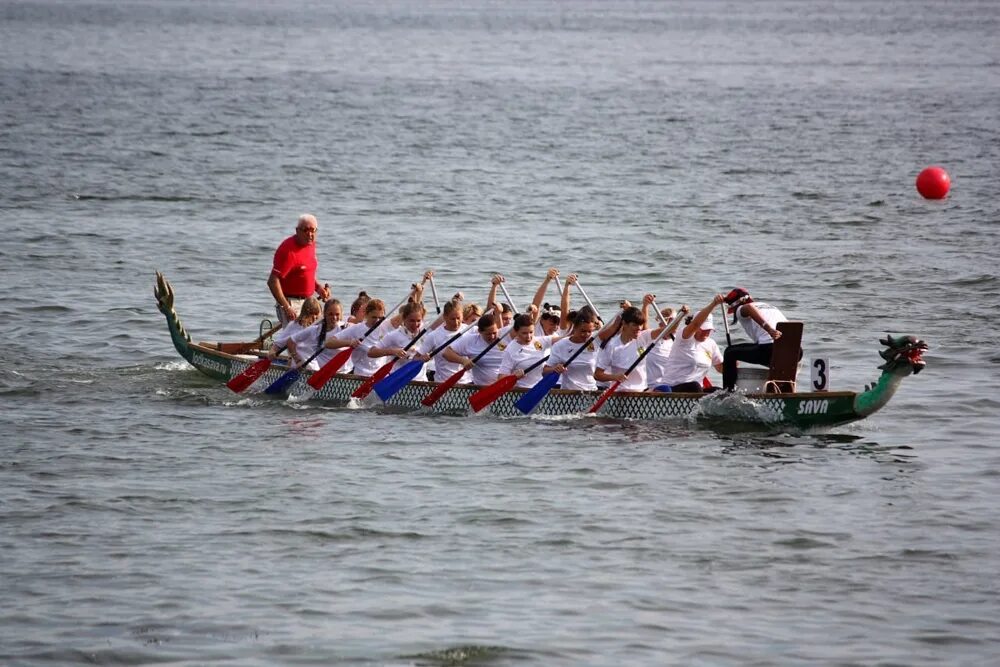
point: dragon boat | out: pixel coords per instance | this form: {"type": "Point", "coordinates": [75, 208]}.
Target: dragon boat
{"type": "Point", "coordinates": [902, 356]}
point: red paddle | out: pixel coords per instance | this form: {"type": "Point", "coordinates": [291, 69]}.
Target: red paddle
{"type": "Point", "coordinates": [330, 368]}
{"type": "Point", "coordinates": [367, 385]}
{"type": "Point", "coordinates": [606, 394]}
{"type": "Point", "coordinates": [491, 393]}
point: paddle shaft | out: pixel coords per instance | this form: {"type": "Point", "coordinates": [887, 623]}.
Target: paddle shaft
{"type": "Point", "coordinates": [506, 295]}
{"type": "Point", "coordinates": [649, 348]}
{"type": "Point", "coordinates": [582, 347]}
{"type": "Point", "coordinates": [725, 320]}
{"type": "Point", "coordinates": [434, 293]}
{"type": "Point", "coordinates": [587, 299]}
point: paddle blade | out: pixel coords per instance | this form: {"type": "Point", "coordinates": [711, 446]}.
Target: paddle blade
{"type": "Point", "coordinates": [388, 387]}
{"type": "Point", "coordinates": [249, 376]}
{"type": "Point", "coordinates": [284, 382]}
{"type": "Point", "coordinates": [534, 396]}
{"type": "Point", "coordinates": [487, 395]}
{"type": "Point", "coordinates": [603, 397]}
{"type": "Point", "coordinates": [367, 385]}
{"type": "Point", "coordinates": [433, 397]}
{"type": "Point", "coordinates": [330, 368]}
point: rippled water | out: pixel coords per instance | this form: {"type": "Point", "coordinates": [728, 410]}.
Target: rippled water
{"type": "Point", "coordinates": [151, 516]}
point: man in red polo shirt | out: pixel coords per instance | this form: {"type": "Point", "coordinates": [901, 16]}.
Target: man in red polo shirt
{"type": "Point", "coordinates": [293, 278]}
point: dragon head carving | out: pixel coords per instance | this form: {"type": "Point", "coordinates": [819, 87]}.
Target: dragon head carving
{"type": "Point", "coordinates": [903, 353]}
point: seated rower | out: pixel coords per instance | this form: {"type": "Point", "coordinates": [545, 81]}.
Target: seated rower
{"type": "Point", "coordinates": [657, 358]}
{"type": "Point", "coordinates": [759, 321]}
{"type": "Point", "coordinates": [353, 336]}
{"type": "Point", "coordinates": [623, 348]}
{"type": "Point", "coordinates": [468, 347]}
{"type": "Point", "coordinates": [303, 344]}
{"type": "Point", "coordinates": [358, 308]}
{"type": "Point", "coordinates": [308, 314]}
{"type": "Point", "coordinates": [580, 373]}
{"type": "Point", "coordinates": [548, 321]}
{"type": "Point", "coordinates": [392, 343]}
{"type": "Point", "coordinates": [452, 323]}
{"type": "Point", "coordinates": [525, 350]}
{"type": "Point", "coordinates": [694, 353]}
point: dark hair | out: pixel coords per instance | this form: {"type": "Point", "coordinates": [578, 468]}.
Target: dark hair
{"type": "Point", "coordinates": [362, 299]}
{"type": "Point", "coordinates": [485, 322]}
{"type": "Point", "coordinates": [505, 307]}
{"type": "Point", "coordinates": [585, 315]}
{"type": "Point", "coordinates": [633, 315]}
{"type": "Point", "coordinates": [522, 320]}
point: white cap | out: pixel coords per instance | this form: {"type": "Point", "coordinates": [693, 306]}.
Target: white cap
{"type": "Point", "coordinates": [707, 324]}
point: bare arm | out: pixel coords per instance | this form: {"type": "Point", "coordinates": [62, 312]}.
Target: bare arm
{"type": "Point", "coordinates": [750, 311]}
{"type": "Point", "coordinates": [564, 322]}
{"type": "Point", "coordinates": [700, 317]}
{"type": "Point", "coordinates": [543, 288]}
{"type": "Point", "coordinates": [274, 284]}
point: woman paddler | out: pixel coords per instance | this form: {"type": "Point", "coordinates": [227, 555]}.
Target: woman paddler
{"type": "Point", "coordinates": [525, 350]}
{"type": "Point", "coordinates": [303, 344]}
{"type": "Point", "coordinates": [354, 336]}
{"type": "Point", "coordinates": [694, 353]}
{"type": "Point", "coordinates": [580, 373]}
{"type": "Point", "coordinates": [470, 346]}
{"type": "Point", "coordinates": [394, 342]}
{"type": "Point", "coordinates": [656, 360]}
{"type": "Point", "coordinates": [623, 348]}
{"type": "Point", "coordinates": [451, 315]}
{"type": "Point", "coordinates": [308, 314]}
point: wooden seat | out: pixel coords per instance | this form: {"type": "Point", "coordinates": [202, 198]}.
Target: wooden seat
{"type": "Point", "coordinates": [785, 357]}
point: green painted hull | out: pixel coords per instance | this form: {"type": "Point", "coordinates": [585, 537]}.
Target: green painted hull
{"type": "Point", "coordinates": [795, 410]}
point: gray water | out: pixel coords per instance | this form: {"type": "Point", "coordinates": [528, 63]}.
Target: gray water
{"type": "Point", "coordinates": [150, 516]}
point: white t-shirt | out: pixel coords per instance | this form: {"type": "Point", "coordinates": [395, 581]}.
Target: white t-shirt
{"type": "Point", "coordinates": [690, 361]}
{"type": "Point", "coordinates": [363, 364]}
{"type": "Point", "coordinates": [307, 342]}
{"type": "Point", "coordinates": [656, 361]}
{"type": "Point", "coordinates": [519, 357]}
{"type": "Point", "coordinates": [281, 338]}
{"type": "Point", "coordinates": [756, 332]}
{"type": "Point", "coordinates": [400, 337]}
{"type": "Point", "coordinates": [443, 369]}
{"type": "Point", "coordinates": [484, 372]}
{"type": "Point", "coordinates": [580, 373]}
{"type": "Point", "coordinates": [617, 356]}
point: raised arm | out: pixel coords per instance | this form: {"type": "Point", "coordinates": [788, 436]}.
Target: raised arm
{"type": "Point", "coordinates": [700, 317]}
{"type": "Point", "coordinates": [491, 299]}
{"type": "Point", "coordinates": [543, 288]}
{"type": "Point", "coordinates": [564, 322]}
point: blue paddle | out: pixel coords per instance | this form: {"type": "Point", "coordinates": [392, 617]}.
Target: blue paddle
{"type": "Point", "coordinates": [288, 378]}
{"type": "Point", "coordinates": [531, 398]}
{"type": "Point", "coordinates": [390, 385]}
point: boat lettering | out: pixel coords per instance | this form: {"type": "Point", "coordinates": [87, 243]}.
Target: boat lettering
{"type": "Point", "coordinates": [202, 360]}
{"type": "Point", "coordinates": [814, 407]}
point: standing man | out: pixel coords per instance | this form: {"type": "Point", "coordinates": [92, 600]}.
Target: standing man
{"type": "Point", "coordinates": [293, 278]}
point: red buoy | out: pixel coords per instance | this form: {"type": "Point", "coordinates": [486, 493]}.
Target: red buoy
{"type": "Point", "coordinates": [933, 183]}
